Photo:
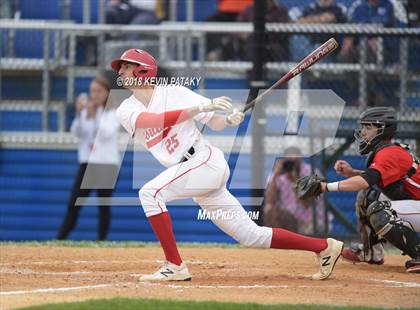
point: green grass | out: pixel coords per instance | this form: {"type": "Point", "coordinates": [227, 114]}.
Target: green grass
{"type": "Point", "coordinates": [113, 244]}
{"type": "Point", "coordinates": [153, 304]}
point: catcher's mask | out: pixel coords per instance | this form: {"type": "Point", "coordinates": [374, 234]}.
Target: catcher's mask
{"type": "Point", "coordinates": [385, 119]}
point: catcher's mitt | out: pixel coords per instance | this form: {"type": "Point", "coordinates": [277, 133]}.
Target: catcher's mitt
{"type": "Point", "coordinates": [309, 187]}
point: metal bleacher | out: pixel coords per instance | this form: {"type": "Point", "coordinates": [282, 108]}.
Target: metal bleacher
{"type": "Point", "coordinates": [24, 57]}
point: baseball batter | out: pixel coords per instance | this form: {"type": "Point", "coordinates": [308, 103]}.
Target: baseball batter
{"type": "Point", "coordinates": [162, 118]}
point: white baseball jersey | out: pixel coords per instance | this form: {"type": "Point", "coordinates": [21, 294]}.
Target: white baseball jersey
{"type": "Point", "coordinates": [168, 145]}
{"type": "Point", "coordinates": [202, 177]}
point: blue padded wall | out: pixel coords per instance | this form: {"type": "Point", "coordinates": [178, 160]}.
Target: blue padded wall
{"type": "Point", "coordinates": [35, 186]}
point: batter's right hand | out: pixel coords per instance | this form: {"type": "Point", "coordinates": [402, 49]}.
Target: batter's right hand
{"type": "Point", "coordinates": [217, 104]}
{"type": "Point", "coordinates": [235, 117]}
{"type": "Point", "coordinates": [344, 168]}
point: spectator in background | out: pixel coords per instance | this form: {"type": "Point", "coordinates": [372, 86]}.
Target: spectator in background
{"type": "Point", "coordinates": [8, 9]}
{"type": "Point", "coordinates": [388, 14]}
{"type": "Point", "coordinates": [277, 44]}
{"type": "Point", "coordinates": [318, 12]}
{"type": "Point", "coordinates": [227, 11]}
{"type": "Point", "coordinates": [136, 12]}
{"type": "Point", "coordinates": [97, 129]}
{"type": "Point", "coordinates": [282, 208]}
{"type": "Point", "coordinates": [132, 12]}
{"type": "Point", "coordinates": [381, 12]}
{"type": "Point", "coordinates": [122, 12]}
{"type": "Point", "coordinates": [413, 9]}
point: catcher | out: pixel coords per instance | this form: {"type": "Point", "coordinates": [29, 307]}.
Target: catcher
{"type": "Point", "coordinates": [388, 202]}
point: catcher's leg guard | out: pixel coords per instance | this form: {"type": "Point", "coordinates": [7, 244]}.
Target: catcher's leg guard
{"type": "Point", "coordinates": [399, 233]}
{"type": "Point", "coordinates": [371, 250]}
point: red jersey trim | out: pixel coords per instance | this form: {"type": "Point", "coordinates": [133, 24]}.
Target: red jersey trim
{"type": "Point", "coordinates": [159, 138]}
{"type": "Point", "coordinates": [162, 120]}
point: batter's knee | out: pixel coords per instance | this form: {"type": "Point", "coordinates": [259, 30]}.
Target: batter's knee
{"type": "Point", "coordinates": [254, 236]}
{"type": "Point", "coordinates": [145, 195]}
{"type": "Point", "coordinates": [150, 202]}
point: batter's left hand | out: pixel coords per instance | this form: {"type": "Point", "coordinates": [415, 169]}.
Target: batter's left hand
{"type": "Point", "coordinates": [235, 117]}
{"type": "Point", "coordinates": [217, 104]}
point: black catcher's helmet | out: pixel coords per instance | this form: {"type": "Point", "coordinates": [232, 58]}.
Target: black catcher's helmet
{"type": "Point", "coordinates": [385, 119]}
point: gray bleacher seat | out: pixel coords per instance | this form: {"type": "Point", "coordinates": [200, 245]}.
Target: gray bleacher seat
{"type": "Point", "coordinates": [114, 49]}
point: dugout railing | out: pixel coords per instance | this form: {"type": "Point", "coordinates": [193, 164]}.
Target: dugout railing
{"type": "Point", "coordinates": [182, 46]}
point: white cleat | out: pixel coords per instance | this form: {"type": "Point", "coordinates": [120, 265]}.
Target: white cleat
{"type": "Point", "coordinates": [328, 258]}
{"type": "Point", "coordinates": [169, 272]}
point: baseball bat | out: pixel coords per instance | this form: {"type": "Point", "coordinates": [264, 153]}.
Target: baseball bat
{"type": "Point", "coordinates": [304, 64]}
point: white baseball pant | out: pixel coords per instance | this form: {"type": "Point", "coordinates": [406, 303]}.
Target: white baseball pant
{"type": "Point", "coordinates": [203, 177]}
{"type": "Point", "coordinates": [408, 210]}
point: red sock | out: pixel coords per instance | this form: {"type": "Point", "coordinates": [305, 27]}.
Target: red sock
{"type": "Point", "coordinates": [162, 226]}
{"type": "Point", "coordinates": [284, 239]}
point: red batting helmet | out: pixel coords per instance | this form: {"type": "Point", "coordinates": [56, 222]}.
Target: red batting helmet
{"type": "Point", "coordinates": [147, 66]}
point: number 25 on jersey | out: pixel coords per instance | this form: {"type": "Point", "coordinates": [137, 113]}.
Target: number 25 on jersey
{"type": "Point", "coordinates": [171, 144]}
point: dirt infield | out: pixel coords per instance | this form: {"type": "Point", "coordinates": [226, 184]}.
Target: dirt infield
{"type": "Point", "coordinates": [41, 274]}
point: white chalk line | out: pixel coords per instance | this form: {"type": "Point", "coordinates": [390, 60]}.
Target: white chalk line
{"type": "Point", "coordinates": [71, 262]}
{"type": "Point", "coordinates": [387, 283]}
{"type": "Point", "coordinates": [254, 286]}
{"type": "Point", "coordinates": [187, 286]}
{"type": "Point", "coordinates": [149, 284]}
{"type": "Point", "coordinates": [26, 271]}
{"type": "Point", "coordinates": [30, 271]}
{"type": "Point", "coordinates": [60, 289]}
{"type": "Point", "coordinates": [50, 273]}
{"type": "Point", "coordinates": [391, 283]}
{"type": "Point", "coordinates": [399, 283]}
{"type": "Point", "coordinates": [192, 262]}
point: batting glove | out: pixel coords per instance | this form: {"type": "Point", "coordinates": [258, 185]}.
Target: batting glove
{"type": "Point", "coordinates": [217, 104]}
{"type": "Point", "coordinates": [235, 117]}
